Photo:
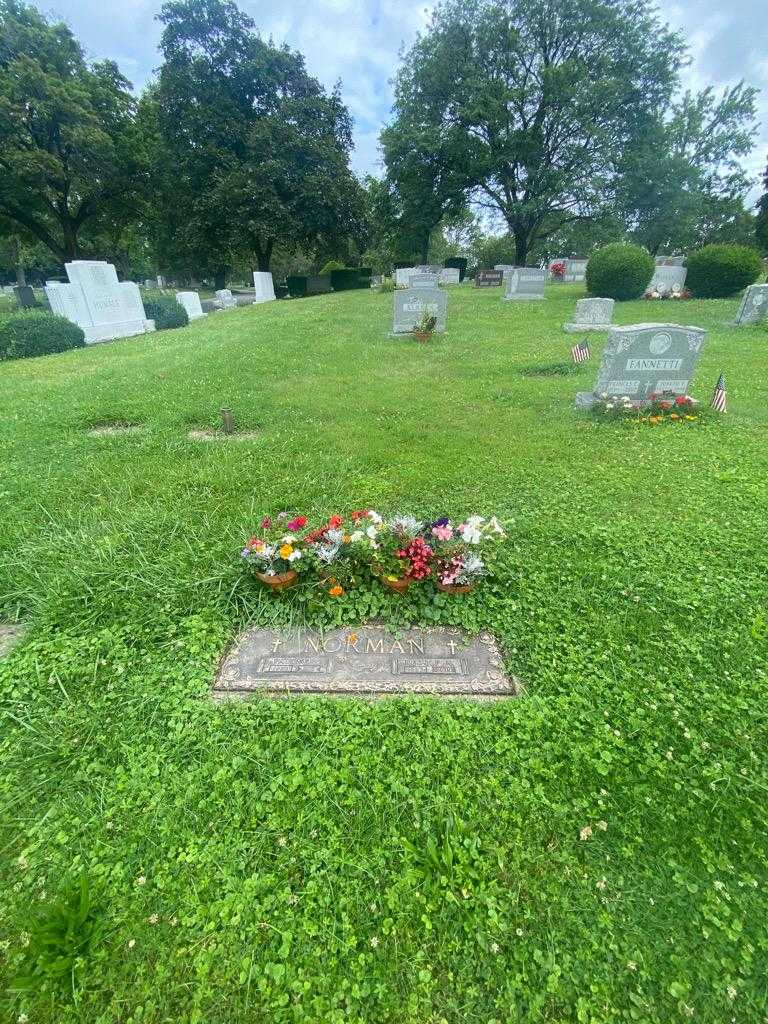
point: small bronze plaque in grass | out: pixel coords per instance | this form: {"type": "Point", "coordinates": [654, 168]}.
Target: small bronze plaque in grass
{"type": "Point", "coordinates": [364, 661]}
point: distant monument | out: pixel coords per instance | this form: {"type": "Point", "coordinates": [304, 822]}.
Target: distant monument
{"type": "Point", "coordinates": [96, 301]}
{"type": "Point", "coordinates": [263, 286]}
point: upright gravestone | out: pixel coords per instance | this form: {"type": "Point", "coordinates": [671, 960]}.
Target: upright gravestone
{"type": "Point", "coordinates": [666, 278]}
{"type": "Point", "coordinates": [413, 302]}
{"type": "Point", "coordinates": [449, 275]}
{"type": "Point", "coordinates": [225, 298]}
{"type": "Point", "coordinates": [423, 279]}
{"type": "Point", "coordinates": [25, 297]}
{"type": "Point", "coordinates": [160, 281]}
{"type": "Point", "coordinates": [263, 286]}
{"type": "Point", "coordinates": [753, 306]}
{"type": "Point", "coordinates": [646, 359]}
{"type": "Point", "coordinates": [591, 315]}
{"type": "Point", "coordinates": [191, 303]}
{"type": "Point", "coordinates": [575, 270]}
{"type": "Point", "coordinates": [96, 301]}
{"type": "Point", "coordinates": [402, 276]}
{"type": "Point", "coordinates": [525, 283]}
{"type": "Point", "coordinates": [489, 278]}
{"type": "Point", "coordinates": [669, 261]}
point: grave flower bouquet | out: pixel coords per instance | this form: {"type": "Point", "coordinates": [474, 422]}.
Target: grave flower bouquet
{"type": "Point", "coordinates": [663, 292]}
{"type": "Point", "coordinates": [557, 269]}
{"type": "Point", "coordinates": [657, 408]}
{"type": "Point", "coordinates": [425, 326]}
{"type": "Point", "coordinates": [462, 552]}
{"type": "Point", "coordinates": [277, 553]}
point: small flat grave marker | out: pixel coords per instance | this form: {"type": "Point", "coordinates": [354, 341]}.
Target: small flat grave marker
{"type": "Point", "coordinates": [367, 661]}
{"type": "Point", "coordinates": [9, 635]}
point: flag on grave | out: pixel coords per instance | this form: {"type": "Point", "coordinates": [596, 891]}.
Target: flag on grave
{"type": "Point", "coordinates": [718, 396]}
{"type": "Point", "coordinates": [580, 351]}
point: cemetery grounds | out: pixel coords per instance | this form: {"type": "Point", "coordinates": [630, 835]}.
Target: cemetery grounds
{"type": "Point", "coordinates": [593, 851]}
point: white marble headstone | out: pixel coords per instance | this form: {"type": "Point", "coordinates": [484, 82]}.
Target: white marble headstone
{"type": "Point", "coordinates": [449, 275]}
{"type": "Point", "coordinates": [225, 298]}
{"type": "Point", "coordinates": [191, 303]}
{"type": "Point", "coordinates": [665, 278]}
{"type": "Point", "coordinates": [97, 302]}
{"type": "Point", "coordinates": [263, 286]}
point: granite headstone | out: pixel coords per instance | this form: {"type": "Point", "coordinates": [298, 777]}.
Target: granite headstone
{"type": "Point", "coordinates": [412, 303]}
{"type": "Point", "coordinates": [753, 306]}
{"type": "Point", "coordinates": [591, 315]}
{"type": "Point", "coordinates": [645, 359]}
{"type": "Point", "coordinates": [489, 278]}
{"type": "Point", "coordinates": [525, 284]}
{"type": "Point", "coordinates": [666, 277]}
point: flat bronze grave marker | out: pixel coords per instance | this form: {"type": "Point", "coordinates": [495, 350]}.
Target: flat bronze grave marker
{"type": "Point", "coordinates": [365, 661]}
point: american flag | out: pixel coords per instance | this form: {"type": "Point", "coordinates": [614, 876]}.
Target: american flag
{"type": "Point", "coordinates": [580, 352]}
{"type": "Point", "coordinates": [718, 396]}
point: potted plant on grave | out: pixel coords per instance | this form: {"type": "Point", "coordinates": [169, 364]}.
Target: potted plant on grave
{"type": "Point", "coordinates": [425, 327]}
{"type": "Point", "coordinates": [277, 555]}
{"type": "Point", "coordinates": [462, 552]}
{"type": "Point", "coordinates": [557, 270]}
{"type": "Point", "coordinates": [398, 553]}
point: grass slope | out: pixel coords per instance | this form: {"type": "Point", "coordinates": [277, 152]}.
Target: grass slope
{"type": "Point", "coordinates": [272, 861]}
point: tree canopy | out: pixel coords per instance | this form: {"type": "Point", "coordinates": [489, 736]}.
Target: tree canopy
{"type": "Point", "coordinates": [70, 155]}
{"type": "Point", "coordinates": [248, 150]}
{"type": "Point", "coordinates": [761, 226]}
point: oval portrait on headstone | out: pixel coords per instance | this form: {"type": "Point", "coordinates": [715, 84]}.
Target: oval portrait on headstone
{"type": "Point", "coordinates": [660, 343]}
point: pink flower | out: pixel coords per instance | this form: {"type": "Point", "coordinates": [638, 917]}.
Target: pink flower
{"type": "Point", "coordinates": [443, 532]}
{"type": "Point", "coordinates": [297, 524]}
{"type": "Point", "coordinates": [266, 522]}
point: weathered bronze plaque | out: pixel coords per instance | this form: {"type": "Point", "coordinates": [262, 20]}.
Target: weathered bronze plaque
{"type": "Point", "coordinates": [364, 661]}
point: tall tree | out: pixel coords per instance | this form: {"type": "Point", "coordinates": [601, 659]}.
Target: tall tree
{"type": "Point", "coordinates": [681, 183]}
{"type": "Point", "coordinates": [248, 149]}
{"type": "Point", "coordinates": [761, 226]}
{"type": "Point", "coordinates": [70, 157]}
{"type": "Point", "coordinates": [539, 99]}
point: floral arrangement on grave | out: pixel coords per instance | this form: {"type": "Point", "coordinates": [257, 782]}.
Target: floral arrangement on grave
{"type": "Point", "coordinates": [399, 551]}
{"type": "Point", "coordinates": [655, 410]}
{"type": "Point", "coordinates": [425, 326]}
{"type": "Point", "coordinates": [459, 564]}
{"type": "Point", "coordinates": [663, 292]}
{"type": "Point", "coordinates": [557, 269]}
{"type": "Point", "coordinates": [277, 555]}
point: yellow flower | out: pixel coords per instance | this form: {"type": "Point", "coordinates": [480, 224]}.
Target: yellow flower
{"type": "Point", "coordinates": [286, 550]}
{"type": "Point", "coordinates": [690, 417]}
{"type": "Point", "coordinates": [674, 416]}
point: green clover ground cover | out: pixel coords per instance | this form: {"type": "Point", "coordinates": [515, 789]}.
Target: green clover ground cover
{"type": "Point", "coordinates": [594, 852]}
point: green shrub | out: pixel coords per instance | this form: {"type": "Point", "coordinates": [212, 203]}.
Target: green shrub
{"type": "Point", "coordinates": [619, 271]}
{"type": "Point", "coordinates": [330, 266]}
{"type": "Point", "coordinates": [349, 277]}
{"type": "Point", "coordinates": [387, 284]}
{"type": "Point", "coordinates": [717, 271]}
{"type": "Point", "coordinates": [164, 310]}
{"type": "Point", "coordinates": [458, 263]}
{"type": "Point", "coordinates": [297, 285]}
{"type": "Point", "coordinates": [36, 332]}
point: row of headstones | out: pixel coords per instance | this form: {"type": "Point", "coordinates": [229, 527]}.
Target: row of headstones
{"type": "Point", "coordinates": [106, 308]}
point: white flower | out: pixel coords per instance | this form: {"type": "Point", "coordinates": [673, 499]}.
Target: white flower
{"type": "Point", "coordinates": [289, 538]}
{"type": "Point", "coordinates": [374, 517]}
{"type": "Point", "coordinates": [494, 526]}
{"type": "Point", "coordinates": [356, 536]}
{"type": "Point", "coordinates": [408, 524]}
{"type": "Point", "coordinates": [335, 536]}
{"type": "Point", "coordinates": [585, 832]}
{"type": "Point", "coordinates": [374, 942]}
{"type": "Point", "coordinates": [495, 947]}
{"type": "Point", "coordinates": [371, 532]}
{"type": "Point", "coordinates": [293, 555]}
{"type": "Point", "coordinates": [475, 521]}
{"type": "Point", "coordinates": [131, 943]}
{"type": "Point", "coordinates": [153, 918]}
{"type": "Point", "coordinates": [732, 993]}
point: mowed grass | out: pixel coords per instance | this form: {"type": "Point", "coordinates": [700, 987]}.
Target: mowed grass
{"type": "Point", "coordinates": [407, 860]}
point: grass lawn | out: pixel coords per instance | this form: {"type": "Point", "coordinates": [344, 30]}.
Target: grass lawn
{"type": "Point", "coordinates": [267, 861]}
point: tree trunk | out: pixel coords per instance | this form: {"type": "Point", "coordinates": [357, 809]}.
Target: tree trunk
{"type": "Point", "coordinates": [220, 278]}
{"type": "Point", "coordinates": [16, 262]}
{"type": "Point", "coordinates": [425, 249]}
{"type": "Point", "coordinates": [521, 246]}
{"type": "Point", "coordinates": [263, 255]}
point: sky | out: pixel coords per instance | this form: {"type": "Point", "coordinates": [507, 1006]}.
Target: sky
{"type": "Point", "coordinates": [357, 42]}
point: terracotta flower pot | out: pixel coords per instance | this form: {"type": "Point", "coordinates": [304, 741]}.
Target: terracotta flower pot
{"type": "Point", "coordinates": [400, 586]}
{"type": "Point", "coordinates": [455, 588]}
{"type": "Point", "coordinates": [422, 335]}
{"type": "Point", "coordinates": [280, 582]}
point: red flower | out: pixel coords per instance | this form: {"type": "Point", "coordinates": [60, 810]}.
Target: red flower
{"type": "Point", "coordinates": [335, 521]}
{"type": "Point", "coordinates": [266, 522]}
{"type": "Point", "coordinates": [297, 524]}
{"type": "Point", "coordinates": [360, 513]}
{"type": "Point", "coordinates": [665, 405]}
{"type": "Point", "coordinates": [681, 400]}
